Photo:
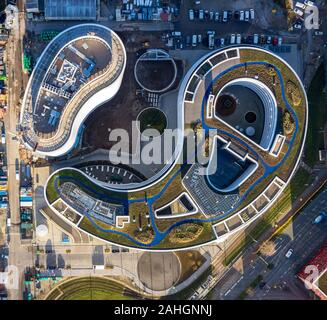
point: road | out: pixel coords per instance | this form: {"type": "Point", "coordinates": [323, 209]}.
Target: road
{"type": "Point", "coordinates": [302, 236]}
{"type": "Point", "coordinates": [18, 254]}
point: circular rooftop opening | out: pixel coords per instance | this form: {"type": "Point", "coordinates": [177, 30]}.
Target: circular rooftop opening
{"type": "Point", "coordinates": [151, 121]}
{"type": "Point", "coordinates": [155, 71]}
{"type": "Point", "coordinates": [250, 117]}
{"type": "Point", "coordinates": [240, 104]}
{"type": "Point", "coordinates": [225, 105]}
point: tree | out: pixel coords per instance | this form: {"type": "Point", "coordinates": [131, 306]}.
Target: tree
{"type": "Point", "coordinates": [268, 248]}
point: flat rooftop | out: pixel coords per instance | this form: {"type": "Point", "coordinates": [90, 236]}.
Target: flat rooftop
{"type": "Point", "coordinates": [70, 9]}
{"type": "Point", "coordinates": [74, 66]}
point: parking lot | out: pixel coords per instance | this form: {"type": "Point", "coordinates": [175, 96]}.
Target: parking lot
{"type": "Point", "coordinates": [230, 22]}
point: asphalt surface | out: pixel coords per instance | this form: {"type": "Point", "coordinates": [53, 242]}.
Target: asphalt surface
{"type": "Point", "coordinates": [281, 282]}
{"type": "Point", "coordinates": [18, 254]}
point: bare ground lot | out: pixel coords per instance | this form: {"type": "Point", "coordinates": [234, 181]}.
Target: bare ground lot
{"type": "Point", "coordinates": [155, 75]}
{"type": "Point", "coordinates": [127, 104]}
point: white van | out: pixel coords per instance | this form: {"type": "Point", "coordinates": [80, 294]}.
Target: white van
{"type": "Point", "coordinates": [201, 14]}
{"type": "Point", "coordinates": [242, 15]}
{"type": "Point", "coordinates": [298, 12]}
{"type": "Point", "coordinates": [252, 14]}
{"type": "Point", "coordinates": [232, 39]}
{"type": "Point", "coordinates": [225, 16]}
{"type": "Point", "coordinates": [191, 14]}
{"type": "Point", "coordinates": [300, 5]}
{"type": "Point", "coordinates": [211, 39]}
{"type": "Point", "coordinates": [255, 38]}
{"type": "Point", "coordinates": [194, 40]}
{"type": "Point", "coordinates": [247, 15]}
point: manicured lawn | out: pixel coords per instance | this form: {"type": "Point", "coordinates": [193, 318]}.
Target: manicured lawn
{"type": "Point", "coordinates": [317, 116]}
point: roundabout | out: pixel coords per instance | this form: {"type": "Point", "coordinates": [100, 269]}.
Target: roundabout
{"type": "Point", "coordinates": [159, 272]}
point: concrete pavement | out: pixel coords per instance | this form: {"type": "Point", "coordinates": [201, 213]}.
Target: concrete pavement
{"type": "Point", "coordinates": [18, 254]}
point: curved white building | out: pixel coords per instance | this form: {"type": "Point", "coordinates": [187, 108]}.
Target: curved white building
{"type": "Point", "coordinates": [80, 69]}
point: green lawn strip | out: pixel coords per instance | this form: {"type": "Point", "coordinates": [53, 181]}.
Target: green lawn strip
{"type": "Point", "coordinates": [206, 235]}
{"type": "Point", "coordinates": [86, 225]}
{"type": "Point", "coordinates": [317, 116]}
{"type": "Point", "coordinates": [296, 187]}
{"type": "Point", "coordinates": [51, 191]}
{"type": "Point", "coordinates": [92, 288]}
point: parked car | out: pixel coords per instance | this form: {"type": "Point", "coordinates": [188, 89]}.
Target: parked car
{"type": "Point", "coordinates": [262, 39]}
{"type": "Point", "coordinates": [191, 14]}
{"type": "Point", "coordinates": [252, 14]}
{"type": "Point", "coordinates": [236, 15]}
{"type": "Point", "coordinates": [280, 41]}
{"type": "Point", "coordinates": [194, 40]}
{"type": "Point", "coordinates": [222, 42]}
{"type": "Point", "coordinates": [238, 39]}
{"type": "Point", "coordinates": [241, 15]}
{"type": "Point", "coordinates": [309, 3]}
{"type": "Point", "coordinates": [201, 15]}
{"type": "Point", "coordinates": [275, 41]}
{"type": "Point", "coordinates": [199, 38]}
{"type": "Point", "coordinates": [212, 15]}
{"type": "Point", "coordinates": [225, 16]}
{"type": "Point", "coordinates": [269, 40]}
{"type": "Point", "coordinates": [300, 5]}
{"type": "Point", "coordinates": [247, 15]}
{"type": "Point", "coordinates": [211, 39]}
{"type": "Point", "coordinates": [217, 16]}
{"type": "Point", "coordinates": [255, 38]}
{"type": "Point", "coordinates": [298, 12]}
{"type": "Point", "coordinates": [232, 39]}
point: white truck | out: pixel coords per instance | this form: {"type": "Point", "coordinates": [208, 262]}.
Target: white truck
{"type": "Point", "coordinates": [211, 39]}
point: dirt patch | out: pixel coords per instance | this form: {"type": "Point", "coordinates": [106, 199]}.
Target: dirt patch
{"type": "Point", "coordinates": [155, 75]}
{"type": "Point", "coordinates": [128, 102]}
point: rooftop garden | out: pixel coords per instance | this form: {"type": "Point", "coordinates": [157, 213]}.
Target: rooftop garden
{"type": "Point", "coordinates": [144, 229]}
